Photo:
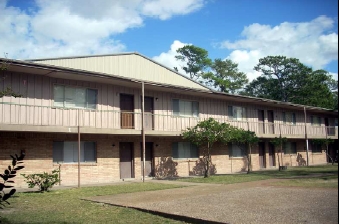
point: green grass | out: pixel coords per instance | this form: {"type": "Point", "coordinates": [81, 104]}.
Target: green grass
{"type": "Point", "coordinates": [66, 206]}
{"type": "Point", "coordinates": [291, 172]}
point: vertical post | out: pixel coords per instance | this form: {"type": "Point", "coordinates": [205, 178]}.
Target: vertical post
{"type": "Point", "coordinates": [79, 156]}
{"type": "Point", "coordinates": [306, 139]}
{"type": "Point", "coordinates": [143, 133]}
{"type": "Point", "coordinates": [79, 149]}
{"type": "Point", "coordinates": [281, 146]}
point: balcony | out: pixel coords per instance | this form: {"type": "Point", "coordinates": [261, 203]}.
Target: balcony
{"type": "Point", "coordinates": [17, 117]}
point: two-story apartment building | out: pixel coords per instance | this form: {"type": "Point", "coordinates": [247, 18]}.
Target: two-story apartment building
{"type": "Point", "coordinates": [83, 115]}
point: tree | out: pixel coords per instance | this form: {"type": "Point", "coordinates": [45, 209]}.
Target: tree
{"type": "Point", "coordinates": [246, 140]}
{"type": "Point", "coordinates": [262, 87]}
{"type": "Point", "coordinates": [288, 80]}
{"type": "Point", "coordinates": [7, 91]}
{"type": "Point", "coordinates": [285, 71]}
{"type": "Point", "coordinates": [205, 134]}
{"type": "Point", "coordinates": [225, 76]}
{"type": "Point", "coordinates": [196, 60]}
{"type": "Point", "coordinates": [279, 142]}
{"type": "Point", "coordinates": [324, 142]}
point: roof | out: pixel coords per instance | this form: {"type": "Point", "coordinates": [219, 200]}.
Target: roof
{"type": "Point", "coordinates": [129, 65]}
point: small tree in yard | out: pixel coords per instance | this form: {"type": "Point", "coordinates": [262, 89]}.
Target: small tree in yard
{"type": "Point", "coordinates": [279, 142]}
{"type": "Point", "coordinates": [325, 142]}
{"type": "Point", "coordinates": [245, 139]}
{"type": "Point", "coordinates": [204, 135]}
{"type": "Point", "coordinates": [7, 177]}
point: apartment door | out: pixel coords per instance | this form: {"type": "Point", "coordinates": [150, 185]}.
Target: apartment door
{"type": "Point", "coordinates": [261, 120]}
{"type": "Point", "coordinates": [149, 171]}
{"type": "Point", "coordinates": [126, 160]}
{"type": "Point", "coordinates": [262, 155]}
{"type": "Point", "coordinates": [270, 120]}
{"type": "Point", "coordinates": [127, 111]}
{"type": "Point", "coordinates": [271, 152]}
{"type": "Point", "coordinates": [149, 113]}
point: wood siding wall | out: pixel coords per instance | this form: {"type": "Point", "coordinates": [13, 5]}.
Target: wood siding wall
{"type": "Point", "coordinates": [35, 107]}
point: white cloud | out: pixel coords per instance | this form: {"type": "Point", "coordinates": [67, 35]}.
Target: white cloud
{"type": "Point", "coordinates": [168, 58]}
{"type": "Point", "coordinates": [70, 27]}
{"type": "Point", "coordinates": [165, 10]}
{"type": "Point", "coordinates": [313, 43]}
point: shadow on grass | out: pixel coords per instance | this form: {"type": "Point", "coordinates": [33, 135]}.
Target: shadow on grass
{"type": "Point", "coordinates": [175, 217]}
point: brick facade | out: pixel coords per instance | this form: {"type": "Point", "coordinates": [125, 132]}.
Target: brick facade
{"type": "Point", "coordinates": [39, 157]}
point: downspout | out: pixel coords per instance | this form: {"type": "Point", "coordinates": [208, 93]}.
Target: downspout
{"type": "Point", "coordinates": [306, 139]}
{"type": "Point", "coordinates": [143, 131]}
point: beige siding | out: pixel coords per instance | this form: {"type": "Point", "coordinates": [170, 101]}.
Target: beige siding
{"type": "Point", "coordinates": [128, 65]}
{"type": "Point", "coordinates": [36, 108]}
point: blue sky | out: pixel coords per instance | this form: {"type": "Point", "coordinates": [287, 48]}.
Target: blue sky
{"type": "Point", "coordinates": [242, 30]}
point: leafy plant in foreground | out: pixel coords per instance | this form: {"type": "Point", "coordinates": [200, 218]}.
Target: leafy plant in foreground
{"type": "Point", "coordinates": [7, 177]}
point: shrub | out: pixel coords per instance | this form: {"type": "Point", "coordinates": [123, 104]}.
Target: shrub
{"type": "Point", "coordinates": [44, 181]}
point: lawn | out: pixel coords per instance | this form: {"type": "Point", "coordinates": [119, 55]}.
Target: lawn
{"type": "Point", "coordinates": [66, 206]}
{"type": "Point", "coordinates": [325, 175]}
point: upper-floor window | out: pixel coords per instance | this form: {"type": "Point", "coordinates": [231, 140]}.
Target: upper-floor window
{"type": "Point", "coordinates": [290, 147]}
{"type": "Point", "coordinates": [67, 152]}
{"type": "Point", "coordinates": [315, 120]}
{"type": "Point", "coordinates": [185, 108]}
{"type": "Point", "coordinates": [75, 97]}
{"type": "Point", "coordinates": [184, 150]}
{"type": "Point", "coordinates": [289, 118]}
{"type": "Point", "coordinates": [236, 113]}
{"type": "Point", "coordinates": [237, 150]}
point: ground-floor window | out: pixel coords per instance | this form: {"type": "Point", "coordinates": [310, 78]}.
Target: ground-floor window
{"type": "Point", "coordinates": [290, 148]}
{"type": "Point", "coordinates": [67, 152]}
{"type": "Point", "coordinates": [316, 148]}
{"type": "Point", "coordinates": [184, 150]}
{"type": "Point", "coordinates": [237, 150]}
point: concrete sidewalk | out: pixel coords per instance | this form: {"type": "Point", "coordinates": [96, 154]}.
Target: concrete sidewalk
{"type": "Point", "coordinates": [252, 202]}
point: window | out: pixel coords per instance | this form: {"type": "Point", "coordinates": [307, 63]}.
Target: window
{"type": "Point", "coordinates": [316, 148]}
{"type": "Point", "coordinates": [74, 97]}
{"type": "Point", "coordinates": [290, 148]}
{"type": "Point", "coordinates": [184, 150]}
{"type": "Point", "coordinates": [237, 150]}
{"type": "Point", "coordinates": [236, 113]}
{"type": "Point", "coordinates": [185, 108]}
{"type": "Point", "coordinates": [289, 118]}
{"type": "Point", "coordinates": [67, 152]}
{"type": "Point", "coordinates": [316, 121]}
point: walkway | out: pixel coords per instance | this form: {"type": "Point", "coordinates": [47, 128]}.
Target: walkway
{"type": "Point", "coordinates": [252, 202]}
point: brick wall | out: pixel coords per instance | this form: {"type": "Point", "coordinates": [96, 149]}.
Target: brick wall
{"type": "Point", "coordinates": [38, 147]}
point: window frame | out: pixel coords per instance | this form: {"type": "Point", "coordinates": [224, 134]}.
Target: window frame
{"type": "Point", "coordinates": [292, 118]}
{"type": "Point", "coordinates": [242, 149]}
{"type": "Point", "coordinates": [87, 97]}
{"type": "Point", "coordinates": [193, 151]}
{"type": "Point", "coordinates": [230, 112]}
{"type": "Point", "coordinates": [316, 148]}
{"type": "Point", "coordinates": [292, 150]}
{"type": "Point", "coordinates": [59, 152]}
{"type": "Point", "coordinates": [179, 112]}
{"type": "Point", "coordinates": [317, 119]}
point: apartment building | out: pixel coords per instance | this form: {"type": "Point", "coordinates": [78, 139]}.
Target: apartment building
{"type": "Point", "coordinates": [83, 115]}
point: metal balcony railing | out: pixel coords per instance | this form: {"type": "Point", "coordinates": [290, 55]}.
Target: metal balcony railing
{"type": "Point", "coordinates": [18, 114]}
